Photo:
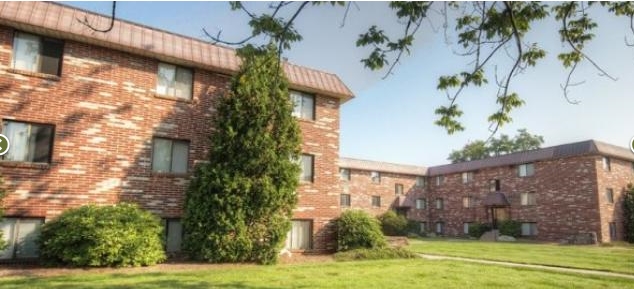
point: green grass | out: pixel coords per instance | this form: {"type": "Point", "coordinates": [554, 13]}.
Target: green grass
{"type": "Point", "coordinates": [618, 258]}
{"type": "Point", "coordinates": [402, 274]}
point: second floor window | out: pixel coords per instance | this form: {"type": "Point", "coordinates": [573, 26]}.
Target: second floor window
{"type": "Point", "coordinates": [174, 81]}
{"type": "Point", "coordinates": [468, 202]}
{"type": "Point", "coordinates": [303, 105]}
{"type": "Point", "coordinates": [609, 196]}
{"type": "Point", "coordinates": [421, 204]}
{"type": "Point", "coordinates": [420, 181]}
{"type": "Point", "coordinates": [307, 165]}
{"type": "Point", "coordinates": [170, 156]}
{"type": "Point", "coordinates": [398, 189]}
{"type": "Point", "coordinates": [29, 142]}
{"type": "Point", "coordinates": [526, 170]}
{"type": "Point", "coordinates": [344, 174]}
{"type": "Point", "coordinates": [439, 180]}
{"type": "Point", "coordinates": [37, 54]}
{"type": "Point", "coordinates": [440, 204]}
{"type": "Point", "coordinates": [467, 177]}
{"type": "Point", "coordinates": [376, 177]}
{"type": "Point", "coordinates": [528, 199]}
{"type": "Point", "coordinates": [607, 164]}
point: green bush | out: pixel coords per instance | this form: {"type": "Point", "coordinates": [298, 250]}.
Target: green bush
{"type": "Point", "coordinates": [413, 227]}
{"type": "Point", "coordinates": [97, 236]}
{"type": "Point", "coordinates": [510, 228]}
{"type": "Point", "coordinates": [393, 224]}
{"type": "Point", "coordinates": [478, 229]}
{"type": "Point", "coordinates": [628, 213]}
{"type": "Point", "coordinates": [375, 254]}
{"type": "Point", "coordinates": [357, 229]}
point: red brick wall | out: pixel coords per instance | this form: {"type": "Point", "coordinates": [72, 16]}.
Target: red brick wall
{"type": "Point", "coordinates": [105, 114]}
{"type": "Point", "coordinates": [617, 178]}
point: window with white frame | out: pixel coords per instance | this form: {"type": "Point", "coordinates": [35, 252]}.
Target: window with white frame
{"type": "Point", "coordinates": [170, 155]}
{"type": "Point", "coordinates": [468, 202]}
{"type": "Point", "coordinates": [529, 229]}
{"type": "Point", "coordinates": [528, 199]}
{"type": "Point", "coordinates": [467, 177]}
{"type": "Point", "coordinates": [303, 105]}
{"type": "Point", "coordinates": [344, 174]}
{"type": "Point", "coordinates": [37, 54]}
{"type": "Point", "coordinates": [421, 203]}
{"type": "Point", "coordinates": [21, 236]}
{"type": "Point", "coordinates": [344, 200]}
{"type": "Point", "coordinates": [398, 189]}
{"type": "Point", "coordinates": [607, 164]}
{"type": "Point", "coordinates": [420, 181]}
{"type": "Point", "coordinates": [307, 164]}
{"type": "Point", "coordinates": [300, 236]}
{"type": "Point", "coordinates": [526, 170]}
{"type": "Point", "coordinates": [439, 180]}
{"type": "Point", "coordinates": [29, 142]}
{"type": "Point", "coordinates": [376, 177]}
{"type": "Point", "coordinates": [376, 201]}
{"type": "Point", "coordinates": [174, 81]}
{"type": "Point", "coordinates": [173, 235]}
{"type": "Point", "coordinates": [440, 203]}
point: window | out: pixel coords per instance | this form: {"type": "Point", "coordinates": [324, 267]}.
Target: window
{"type": "Point", "coordinates": [607, 164]}
{"type": "Point", "coordinates": [466, 226]}
{"type": "Point", "coordinates": [173, 235]}
{"type": "Point", "coordinates": [398, 189]}
{"type": "Point", "coordinates": [376, 177]}
{"type": "Point", "coordinates": [174, 81]}
{"type": "Point", "coordinates": [612, 230]}
{"type": "Point", "coordinates": [440, 204]}
{"type": "Point", "coordinates": [421, 204]}
{"type": "Point", "coordinates": [423, 227]}
{"type": "Point", "coordinates": [303, 105]}
{"type": "Point", "coordinates": [170, 156]}
{"type": "Point", "coordinates": [420, 181]}
{"type": "Point", "coordinates": [439, 180]}
{"type": "Point", "coordinates": [344, 174]}
{"type": "Point", "coordinates": [468, 202]}
{"type": "Point", "coordinates": [440, 228]}
{"type": "Point", "coordinates": [494, 185]}
{"type": "Point", "coordinates": [37, 54]}
{"type": "Point", "coordinates": [300, 236]}
{"type": "Point", "coordinates": [344, 200]}
{"type": "Point", "coordinates": [376, 201]}
{"type": "Point", "coordinates": [528, 199]}
{"type": "Point", "coordinates": [526, 170]}
{"type": "Point", "coordinates": [29, 142]}
{"type": "Point", "coordinates": [21, 236]}
{"type": "Point", "coordinates": [307, 164]}
{"type": "Point", "coordinates": [529, 229]}
{"type": "Point", "coordinates": [609, 196]}
{"type": "Point", "coordinates": [467, 177]}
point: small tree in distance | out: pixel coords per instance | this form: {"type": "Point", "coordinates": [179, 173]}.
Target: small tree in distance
{"type": "Point", "coordinates": [239, 204]}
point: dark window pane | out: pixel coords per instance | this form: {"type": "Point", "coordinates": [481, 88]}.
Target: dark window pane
{"type": "Point", "coordinates": [43, 138]}
{"type": "Point", "coordinates": [52, 51]}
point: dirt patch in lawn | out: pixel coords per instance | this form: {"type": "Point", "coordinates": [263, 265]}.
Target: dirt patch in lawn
{"type": "Point", "coordinates": [34, 270]}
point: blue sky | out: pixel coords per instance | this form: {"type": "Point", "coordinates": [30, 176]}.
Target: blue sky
{"type": "Point", "coordinates": [392, 119]}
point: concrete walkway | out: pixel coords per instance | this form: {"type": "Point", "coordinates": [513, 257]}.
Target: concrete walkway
{"type": "Point", "coordinates": [531, 266]}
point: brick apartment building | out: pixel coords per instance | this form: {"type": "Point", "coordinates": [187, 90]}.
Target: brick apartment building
{"type": "Point", "coordinates": [562, 193]}
{"type": "Point", "coordinates": [120, 116]}
{"type": "Point", "coordinates": [124, 116]}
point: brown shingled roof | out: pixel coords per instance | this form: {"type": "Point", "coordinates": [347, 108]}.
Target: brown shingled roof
{"type": "Point", "coordinates": [554, 152]}
{"type": "Point", "coordinates": [381, 167]}
{"type": "Point", "coordinates": [60, 21]}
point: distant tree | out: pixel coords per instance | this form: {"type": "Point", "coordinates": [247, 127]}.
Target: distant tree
{"type": "Point", "coordinates": [239, 204]}
{"type": "Point", "coordinates": [628, 213]}
{"type": "Point", "coordinates": [497, 146]}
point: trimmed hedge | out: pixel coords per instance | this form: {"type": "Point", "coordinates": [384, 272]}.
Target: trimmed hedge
{"type": "Point", "coordinates": [100, 236]}
{"type": "Point", "coordinates": [393, 224]}
{"type": "Point", "coordinates": [357, 229]}
{"type": "Point", "coordinates": [510, 228]}
{"type": "Point", "coordinates": [375, 254]}
{"type": "Point", "coordinates": [478, 229]}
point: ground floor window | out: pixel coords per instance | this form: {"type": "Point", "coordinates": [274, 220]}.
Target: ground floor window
{"type": "Point", "coordinates": [173, 235]}
{"type": "Point", "coordinates": [21, 235]}
{"type": "Point", "coordinates": [613, 230]}
{"type": "Point", "coordinates": [529, 229]}
{"type": "Point", "coordinates": [300, 236]}
{"type": "Point", "coordinates": [440, 228]}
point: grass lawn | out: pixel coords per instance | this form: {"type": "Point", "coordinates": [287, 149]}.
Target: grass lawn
{"type": "Point", "coordinates": [401, 274]}
{"type": "Point", "coordinates": [619, 258]}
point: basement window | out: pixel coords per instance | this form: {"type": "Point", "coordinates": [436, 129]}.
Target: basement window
{"type": "Point", "coordinates": [30, 142]}
{"type": "Point", "coordinates": [21, 235]}
{"type": "Point", "coordinates": [37, 54]}
{"type": "Point", "coordinates": [300, 236]}
{"type": "Point", "coordinates": [173, 235]}
{"type": "Point", "coordinates": [529, 229]}
{"type": "Point", "coordinates": [174, 81]}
